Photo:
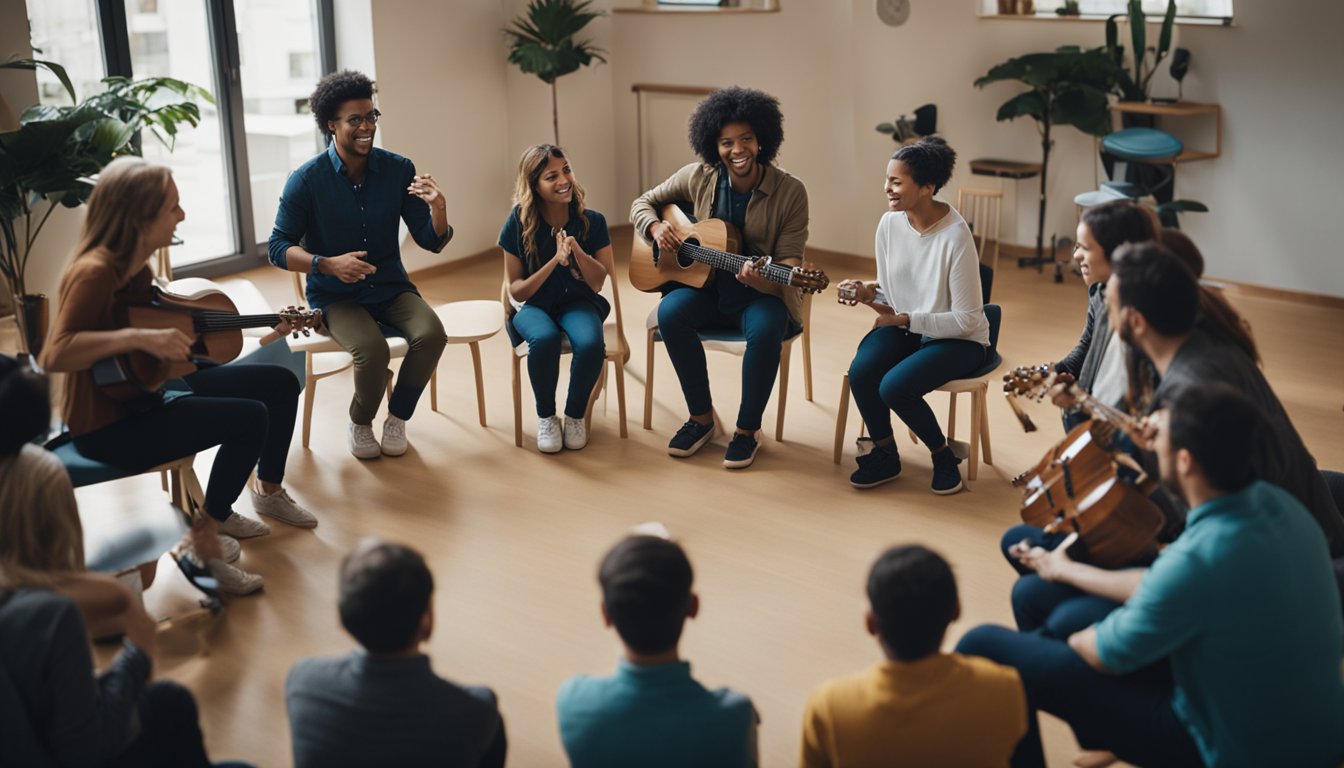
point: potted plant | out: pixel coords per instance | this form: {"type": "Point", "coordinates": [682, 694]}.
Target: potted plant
{"type": "Point", "coordinates": [48, 161]}
{"type": "Point", "coordinates": [1065, 88]}
{"type": "Point", "coordinates": [542, 43]}
{"type": "Point", "coordinates": [1134, 86]}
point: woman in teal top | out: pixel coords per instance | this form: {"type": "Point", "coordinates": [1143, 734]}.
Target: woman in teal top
{"type": "Point", "coordinates": [557, 255]}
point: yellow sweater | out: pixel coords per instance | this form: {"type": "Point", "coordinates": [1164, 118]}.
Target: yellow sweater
{"type": "Point", "coordinates": [942, 710]}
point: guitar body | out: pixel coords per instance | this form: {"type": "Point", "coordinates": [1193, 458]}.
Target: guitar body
{"type": "Point", "coordinates": [650, 270]}
{"type": "Point", "coordinates": [135, 375]}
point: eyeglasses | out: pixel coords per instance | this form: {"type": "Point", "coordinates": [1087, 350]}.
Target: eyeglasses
{"type": "Point", "coordinates": [355, 121]}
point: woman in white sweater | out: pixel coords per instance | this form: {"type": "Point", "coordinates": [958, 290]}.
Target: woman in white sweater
{"type": "Point", "coordinates": [931, 325]}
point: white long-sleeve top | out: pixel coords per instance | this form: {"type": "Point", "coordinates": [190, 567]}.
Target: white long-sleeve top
{"type": "Point", "coordinates": [934, 277]}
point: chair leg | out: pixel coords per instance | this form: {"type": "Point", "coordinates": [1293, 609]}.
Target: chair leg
{"type": "Point", "coordinates": [807, 364]}
{"type": "Point", "coordinates": [389, 384]}
{"type": "Point", "coordinates": [309, 395]}
{"type": "Point", "coordinates": [592, 398]}
{"type": "Point", "coordinates": [951, 414]}
{"type": "Point", "coordinates": [163, 480]}
{"type": "Point", "coordinates": [648, 383]}
{"type": "Point", "coordinates": [517, 402]}
{"type": "Point", "coordinates": [977, 405]}
{"type": "Point", "coordinates": [984, 426]}
{"type": "Point", "coordinates": [841, 417]}
{"type": "Point", "coordinates": [783, 390]}
{"type": "Point", "coordinates": [480, 383]}
{"type": "Point", "coordinates": [433, 391]}
{"type": "Point", "coordinates": [620, 394]}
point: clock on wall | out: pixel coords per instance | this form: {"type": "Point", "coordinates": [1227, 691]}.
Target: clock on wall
{"type": "Point", "coordinates": [893, 13]}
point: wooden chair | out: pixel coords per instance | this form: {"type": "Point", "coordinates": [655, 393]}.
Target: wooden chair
{"type": "Point", "coordinates": [982, 210]}
{"type": "Point", "coordinates": [464, 322]}
{"type": "Point", "coordinates": [734, 343]}
{"type": "Point", "coordinates": [613, 335]}
{"type": "Point", "coordinates": [976, 384]}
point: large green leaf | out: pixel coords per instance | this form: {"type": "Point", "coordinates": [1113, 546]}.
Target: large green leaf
{"type": "Point", "coordinates": [542, 41]}
{"type": "Point", "coordinates": [1030, 104]}
{"type": "Point", "coordinates": [51, 66]}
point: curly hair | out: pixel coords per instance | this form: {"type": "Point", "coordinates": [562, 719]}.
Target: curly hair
{"type": "Point", "coordinates": [334, 90]}
{"type": "Point", "coordinates": [758, 109]}
{"type": "Point", "coordinates": [530, 167]}
{"type": "Point", "coordinates": [929, 160]}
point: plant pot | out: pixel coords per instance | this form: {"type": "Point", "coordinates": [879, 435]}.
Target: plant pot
{"type": "Point", "coordinates": [32, 311]}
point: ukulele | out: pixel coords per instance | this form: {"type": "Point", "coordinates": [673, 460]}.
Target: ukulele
{"type": "Point", "coordinates": [1036, 382]}
{"type": "Point", "coordinates": [706, 246]}
{"type": "Point", "coordinates": [1075, 488]}
{"type": "Point", "coordinates": [202, 311]}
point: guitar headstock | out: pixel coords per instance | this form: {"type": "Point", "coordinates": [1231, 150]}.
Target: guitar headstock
{"type": "Point", "coordinates": [1029, 381]}
{"type": "Point", "coordinates": [808, 280]}
{"type": "Point", "coordinates": [301, 319]}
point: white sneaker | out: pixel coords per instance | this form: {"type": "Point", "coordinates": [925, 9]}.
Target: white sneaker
{"type": "Point", "coordinates": [240, 527]}
{"type": "Point", "coordinates": [282, 507]}
{"type": "Point", "coordinates": [360, 439]}
{"type": "Point", "coordinates": [576, 434]}
{"type": "Point", "coordinates": [230, 548]}
{"type": "Point", "coordinates": [549, 439]}
{"type": "Point", "coordinates": [233, 580]}
{"type": "Point", "coordinates": [394, 436]}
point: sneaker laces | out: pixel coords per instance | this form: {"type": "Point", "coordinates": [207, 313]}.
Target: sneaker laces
{"type": "Point", "coordinates": [549, 427]}
{"type": "Point", "coordinates": [363, 434]}
{"type": "Point", "coordinates": [394, 428]}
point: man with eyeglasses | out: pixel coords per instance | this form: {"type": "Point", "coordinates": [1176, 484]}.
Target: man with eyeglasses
{"type": "Point", "coordinates": [337, 222]}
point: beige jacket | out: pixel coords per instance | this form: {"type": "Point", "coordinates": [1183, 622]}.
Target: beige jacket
{"type": "Point", "coordinates": [776, 223]}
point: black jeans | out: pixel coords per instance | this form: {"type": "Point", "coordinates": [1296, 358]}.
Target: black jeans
{"type": "Point", "coordinates": [170, 732]}
{"type": "Point", "coordinates": [246, 410]}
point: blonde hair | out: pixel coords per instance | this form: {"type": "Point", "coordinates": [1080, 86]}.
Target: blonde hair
{"type": "Point", "coordinates": [41, 539]}
{"type": "Point", "coordinates": [530, 168]}
{"type": "Point", "coordinates": [130, 193]}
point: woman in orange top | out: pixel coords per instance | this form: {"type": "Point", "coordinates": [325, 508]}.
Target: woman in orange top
{"type": "Point", "coordinates": [246, 410]}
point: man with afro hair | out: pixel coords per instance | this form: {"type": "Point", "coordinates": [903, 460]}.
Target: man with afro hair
{"type": "Point", "coordinates": [338, 223]}
{"type": "Point", "coordinates": [736, 132]}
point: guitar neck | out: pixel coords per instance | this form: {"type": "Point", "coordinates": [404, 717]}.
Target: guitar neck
{"type": "Point", "coordinates": [1110, 413]}
{"type": "Point", "coordinates": [732, 262]}
{"type": "Point", "coordinates": [211, 322]}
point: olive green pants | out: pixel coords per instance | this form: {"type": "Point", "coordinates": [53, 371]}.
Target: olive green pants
{"type": "Point", "coordinates": [356, 327]}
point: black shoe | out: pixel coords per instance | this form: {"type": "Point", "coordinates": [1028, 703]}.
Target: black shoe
{"type": "Point", "coordinates": [741, 450]}
{"type": "Point", "coordinates": [690, 438]}
{"type": "Point", "coordinates": [880, 465]}
{"type": "Point", "coordinates": [946, 476]}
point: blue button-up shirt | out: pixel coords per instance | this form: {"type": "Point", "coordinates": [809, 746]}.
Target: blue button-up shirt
{"type": "Point", "coordinates": [326, 213]}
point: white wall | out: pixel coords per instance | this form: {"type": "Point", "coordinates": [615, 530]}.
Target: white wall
{"type": "Point", "coordinates": [838, 72]}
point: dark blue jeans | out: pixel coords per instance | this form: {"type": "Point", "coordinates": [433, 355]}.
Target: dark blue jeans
{"type": "Point", "coordinates": [542, 330]}
{"type": "Point", "coordinates": [1050, 608]}
{"type": "Point", "coordinates": [764, 322]}
{"type": "Point", "coordinates": [1129, 715]}
{"type": "Point", "coordinates": [894, 369]}
{"type": "Point", "coordinates": [170, 732]}
{"type": "Point", "coordinates": [246, 410]}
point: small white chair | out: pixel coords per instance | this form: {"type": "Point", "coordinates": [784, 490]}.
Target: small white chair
{"type": "Point", "coordinates": [982, 208]}
{"type": "Point", "coordinates": [618, 354]}
{"type": "Point", "coordinates": [977, 385]}
{"type": "Point", "coordinates": [734, 343]}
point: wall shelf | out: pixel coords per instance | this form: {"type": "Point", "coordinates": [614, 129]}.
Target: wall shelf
{"type": "Point", "coordinates": [761, 6]}
{"type": "Point", "coordinates": [1201, 21]}
{"type": "Point", "coordinates": [1180, 109]}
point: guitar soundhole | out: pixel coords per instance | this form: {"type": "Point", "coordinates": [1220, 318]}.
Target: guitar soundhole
{"type": "Point", "coordinates": [684, 260]}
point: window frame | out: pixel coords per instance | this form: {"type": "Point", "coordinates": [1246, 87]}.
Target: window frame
{"type": "Point", "coordinates": [228, 91]}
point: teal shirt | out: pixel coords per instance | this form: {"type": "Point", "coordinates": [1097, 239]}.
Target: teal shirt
{"type": "Point", "coordinates": [1245, 604]}
{"type": "Point", "coordinates": [654, 716]}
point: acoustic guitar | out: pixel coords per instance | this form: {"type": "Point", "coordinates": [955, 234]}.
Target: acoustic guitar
{"type": "Point", "coordinates": [202, 311]}
{"type": "Point", "coordinates": [706, 246]}
{"type": "Point", "coordinates": [1075, 488]}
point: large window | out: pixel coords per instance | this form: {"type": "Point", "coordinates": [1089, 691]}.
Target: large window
{"type": "Point", "coordinates": [259, 58]}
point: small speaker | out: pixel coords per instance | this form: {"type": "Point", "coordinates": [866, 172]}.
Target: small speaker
{"type": "Point", "coordinates": [1180, 65]}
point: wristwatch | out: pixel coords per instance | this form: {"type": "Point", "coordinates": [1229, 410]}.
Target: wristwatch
{"type": "Point", "coordinates": [312, 267]}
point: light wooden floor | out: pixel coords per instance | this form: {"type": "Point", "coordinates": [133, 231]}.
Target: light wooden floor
{"type": "Point", "coordinates": [780, 550]}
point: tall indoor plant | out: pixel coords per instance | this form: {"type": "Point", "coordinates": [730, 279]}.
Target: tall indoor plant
{"type": "Point", "coordinates": [1133, 85]}
{"type": "Point", "coordinates": [1066, 87]}
{"type": "Point", "coordinates": [47, 163]}
{"type": "Point", "coordinates": [541, 43]}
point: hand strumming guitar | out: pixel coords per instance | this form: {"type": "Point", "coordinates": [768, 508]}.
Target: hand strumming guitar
{"type": "Point", "coordinates": [348, 267]}
{"type": "Point", "coordinates": [664, 236]}
{"type": "Point", "coordinates": [164, 343]}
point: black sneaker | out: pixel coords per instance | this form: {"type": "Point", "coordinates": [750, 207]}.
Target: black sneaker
{"type": "Point", "coordinates": [741, 450]}
{"type": "Point", "coordinates": [880, 465]}
{"type": "Point", "coordinates": [690, 438]}
{"type": "Point", "coordinates": [946, 476]}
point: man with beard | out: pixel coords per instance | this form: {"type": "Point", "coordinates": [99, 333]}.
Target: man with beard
{"type": "Point", "coordinates": [1227, 650]}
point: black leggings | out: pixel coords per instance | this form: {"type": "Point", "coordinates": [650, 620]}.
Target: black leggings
{"type": "Point", "coordinates": [246, 410]}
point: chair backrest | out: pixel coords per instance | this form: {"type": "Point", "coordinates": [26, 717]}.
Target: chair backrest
{"type": "Point", "coordinates": [300, 294]}
{"type": "Point", "coordinates": [994, 314]}
{"type": "Point", "coordinates": [982, 209]}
